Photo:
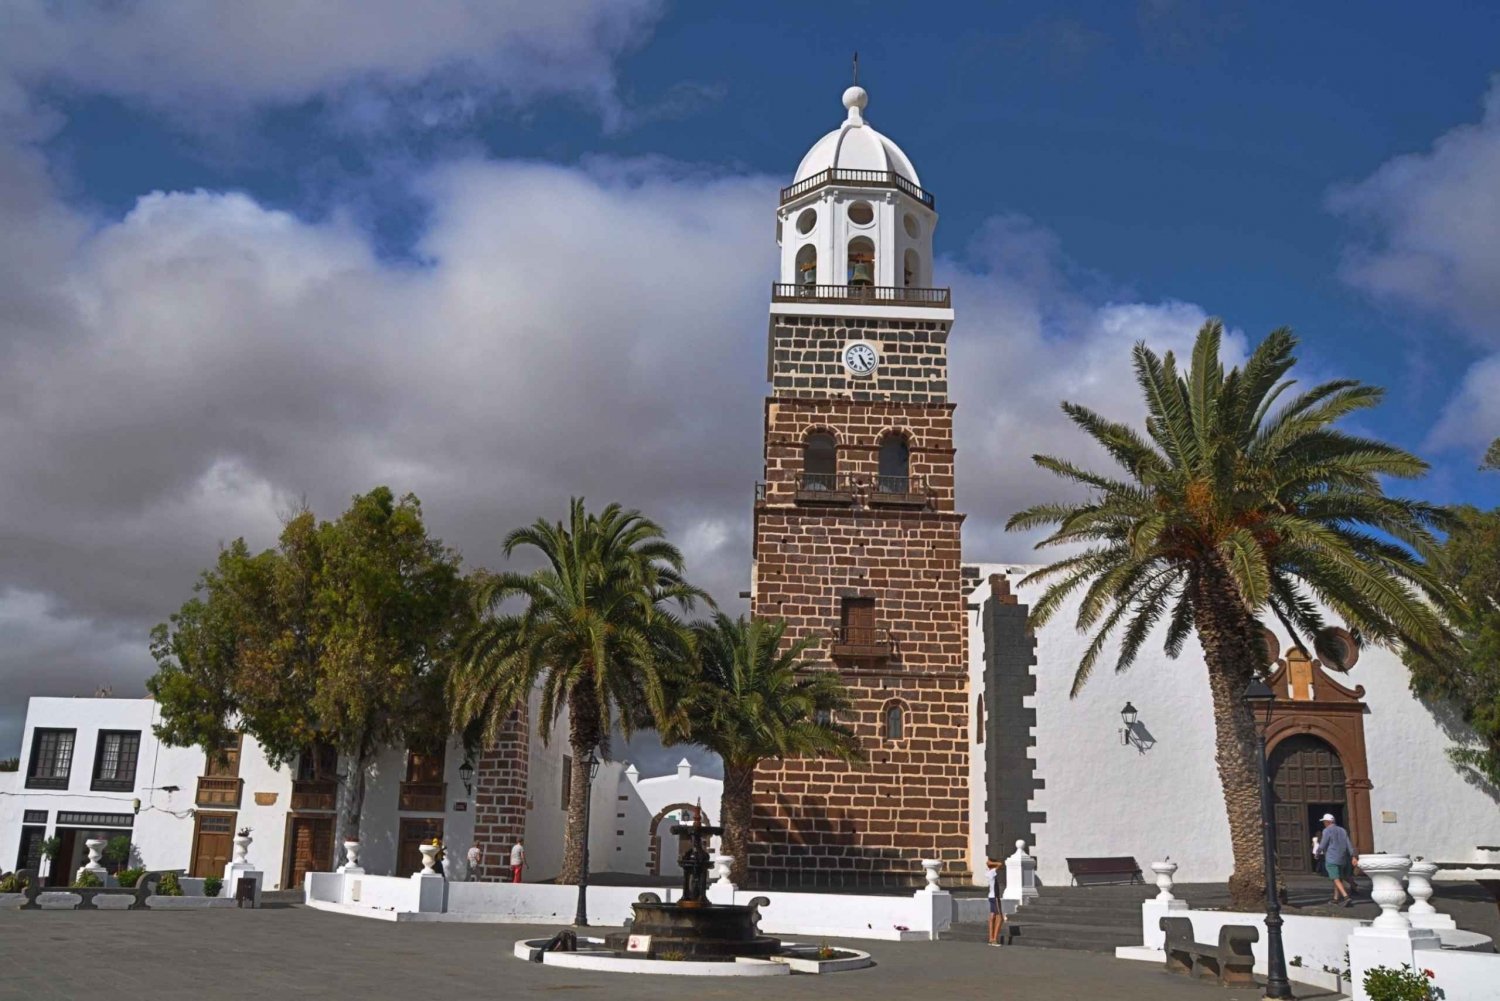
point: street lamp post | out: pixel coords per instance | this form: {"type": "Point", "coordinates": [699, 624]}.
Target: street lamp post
{"type": "Point", "coordinates": [581, 919]}
{"type": "Point", "coordinates": [1260, 699]}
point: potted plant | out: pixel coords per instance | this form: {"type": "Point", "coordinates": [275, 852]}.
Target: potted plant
{"type": "Point", "coordinates": [49, 849]}
{"type": "Point", "coordinates": [117, 852]}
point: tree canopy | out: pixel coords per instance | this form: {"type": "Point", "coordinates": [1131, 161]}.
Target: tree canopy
{"type": "Point", "coordinates": [1466, 671]}
{"type": "Point", "coordinates": [1238, 501]}
{"type": "Point", "coordinates": [595, 628]}
{"type": "Point", "coordinates": [343, 633]}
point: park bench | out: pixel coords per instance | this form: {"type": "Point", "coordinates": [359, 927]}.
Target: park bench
{"type": "Point", "coordinates": [144, 887]}
{"type": "Point", "coordinates": [1229, 963]}
{"type": "Point", "coordinates": [1091, 871]}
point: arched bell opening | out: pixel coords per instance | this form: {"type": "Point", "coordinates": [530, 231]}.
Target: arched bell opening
{"type": "Point", "coordinates": [807, 264]}
{"type": "Point", "coordinates": [862, 262]}
{"type": "Point", "coordinates": [911, 273]}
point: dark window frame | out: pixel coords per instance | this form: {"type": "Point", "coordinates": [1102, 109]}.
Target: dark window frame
{"type": "Point", "coordinates": [50, 781]}
{"type": "Point", "coordinates": [116, 784]}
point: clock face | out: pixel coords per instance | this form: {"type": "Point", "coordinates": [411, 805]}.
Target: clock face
{"type": "Point", "coordinates": [860, 358]}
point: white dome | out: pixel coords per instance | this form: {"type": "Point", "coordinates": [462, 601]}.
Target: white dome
{"type": "Point", "coordinates": [855, 145]}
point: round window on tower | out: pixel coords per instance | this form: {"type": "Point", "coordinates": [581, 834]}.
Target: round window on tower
{"type": "Point", "coordinates": [806, 221]}
{"type": "Point", "coordinates": [912, 226]}
{"type": "Point", "coordinates": [861, 214]}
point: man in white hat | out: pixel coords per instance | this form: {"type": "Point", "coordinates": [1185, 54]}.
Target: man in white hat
{"type": "Point", "coordinates": [1338, 858]}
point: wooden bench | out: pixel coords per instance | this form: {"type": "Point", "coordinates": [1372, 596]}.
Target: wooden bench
{"type": "Point", "coordinates": [1093, 871]}
{"type": "Point", "coordinates": [1230, 963]}
{"type": "Point", "coordinates": [144, 887]}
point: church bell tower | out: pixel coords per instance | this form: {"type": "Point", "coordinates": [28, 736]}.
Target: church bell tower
{"type": "Point", "coordinates": [856, 537]}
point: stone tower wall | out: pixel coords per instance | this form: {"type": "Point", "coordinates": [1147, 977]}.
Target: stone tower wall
{"type": "Point", "coordinates": [824, 823]}
{"type": "Point", "coordinates": [500, 779]}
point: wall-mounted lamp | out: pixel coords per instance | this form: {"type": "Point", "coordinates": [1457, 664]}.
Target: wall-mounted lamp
{"type": "Point", "coordinates": [466, 773]}
{"type": "Point", "coordinates": [1127, 715]}
{"type": "Point", "coordinates": [135, 804]}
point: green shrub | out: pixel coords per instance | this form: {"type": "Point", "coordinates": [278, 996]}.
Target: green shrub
{"type": "Point", "coordinates": [169, 886]}
{"type": "Point", "coordinates": [129, 877]}
{"type": "Point", "coordinates": [86, 879]}
{"type": "Point", "coordinates": [49, 847]}
{"type": "Point", "coordinates": [117, 850]}
{"type": "Point", "coordinates": [11, 883]}
{"type": "Point", "coordinates": [212, 885]}
{"type": "Point", "coordinates": [1385, 984]}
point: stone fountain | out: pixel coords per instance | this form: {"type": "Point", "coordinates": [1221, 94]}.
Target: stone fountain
{"type": "Point", "coordinates": [692, 928]}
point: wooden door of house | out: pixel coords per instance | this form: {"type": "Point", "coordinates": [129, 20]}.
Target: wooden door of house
{"type": "Point", "coordinates": [213, 844]}
{"type": "Point", "coordinates": [415, 831]}
{"type": "Point", "coordinates": [1306, 772]}
{"type": "Point", "coordinates": [310, 848]}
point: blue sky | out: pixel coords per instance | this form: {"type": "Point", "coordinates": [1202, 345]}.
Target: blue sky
{"type": "Point", "coordinates": [501, 256]}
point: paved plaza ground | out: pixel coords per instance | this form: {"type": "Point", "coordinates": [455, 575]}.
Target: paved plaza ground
{"type": "Point", "coordinates": [295, 952]}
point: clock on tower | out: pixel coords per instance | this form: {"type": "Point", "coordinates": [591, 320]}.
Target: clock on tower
{"type": "Point", "coordinates": [856, 538]}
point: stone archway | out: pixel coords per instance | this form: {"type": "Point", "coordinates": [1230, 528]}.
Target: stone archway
{"type": "Point", "coordinates": [689, 810]}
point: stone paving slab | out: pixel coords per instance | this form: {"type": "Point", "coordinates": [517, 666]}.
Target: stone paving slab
{"type": "Point", "coordinates": [294, 952]}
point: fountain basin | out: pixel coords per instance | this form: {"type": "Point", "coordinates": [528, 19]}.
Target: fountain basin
{"type": "Point", "coordinates": [595, 954]}
{"type": "Point", "coordinates": [713, 932]}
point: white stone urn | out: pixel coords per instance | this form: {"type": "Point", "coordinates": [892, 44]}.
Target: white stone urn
{"type": "Point", "coordinates": [721, 867]}
{"type": "Point", "coordinates": [930, 867]}
{"type": "Point", "coordinates": [1421, 913]}
{"type": "Point", "coordinates": [351, 858]}
{"type": "Point", "coordinates": [429, 858]}
{"type": "Point", "coordinates": [1164, 871]}
{"type": "Point", "coordinates": [96, 848]}
{"type": "Point", "coordinates": [1386, 873]}
{"type": "Point", "coordinates": [241, 847]}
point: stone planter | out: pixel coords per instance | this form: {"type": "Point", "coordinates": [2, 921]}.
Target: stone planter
{"type": "Point", "coordinates": [1164, 872]}
{"type": "Point", "coordinates": [429, 859]}
{"type": "Point", "coordinates": [720, 871]}
{"type": "Point", "coordinates": [241, 847]}
{"type": "Point", "coordinates": [1386, 873]}
{"type": "Point", "coordinates": [351, 858]}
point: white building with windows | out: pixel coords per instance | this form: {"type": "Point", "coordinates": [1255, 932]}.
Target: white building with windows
{"type": "Point", "coordinates": [93, 768]}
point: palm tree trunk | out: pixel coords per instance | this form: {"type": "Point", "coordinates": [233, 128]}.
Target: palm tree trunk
{"type": "Point", "coordinates": [734, 809]}
{"type": "Point", "coordinates": [1231, 641]}
{"type": "Point", "coordinates": [583, 737]}
{"type": "Point", "coordinates": [354, 798]}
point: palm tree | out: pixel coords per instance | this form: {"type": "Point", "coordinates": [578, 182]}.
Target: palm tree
{"type": "Point", "coordinates": [596, 633]}
{"type": "Point", "coordinates": [1491, 456]}
{"type": "Point", "coordinates": [755, 700]}
{"type": "Point", "coordinates": [1231, 506]}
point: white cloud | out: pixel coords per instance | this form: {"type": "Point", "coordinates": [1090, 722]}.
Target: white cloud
{"type": "Point", "coordinates": [197, 58]}
{"type": "Point", "coordinates": [191, 370]}
{"type": "Point", "coordinates": [1431, 220]}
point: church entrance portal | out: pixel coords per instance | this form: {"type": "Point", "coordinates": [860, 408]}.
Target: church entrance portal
{"type": "Point", "coordinates": [1307, 777]}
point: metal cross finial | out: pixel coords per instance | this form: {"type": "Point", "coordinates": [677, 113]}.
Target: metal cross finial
{"type": "Point", "coordinates": [856, 68]}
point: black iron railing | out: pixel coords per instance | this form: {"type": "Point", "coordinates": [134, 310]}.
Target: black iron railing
{"type": "Point", "coordinates": [861, 178]}
{"type": "Point", "coordinates": [938, 298]}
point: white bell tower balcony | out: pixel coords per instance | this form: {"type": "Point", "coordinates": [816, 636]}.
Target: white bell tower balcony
{"type": "Point", "coordinates": [855, 226]}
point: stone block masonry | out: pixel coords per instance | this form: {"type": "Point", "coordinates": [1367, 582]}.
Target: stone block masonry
{"type": "Point", "coordinates": [806, 358]}
{"type": "Point", "coordinates": [820, 823]}
{"type": "Point", "coordinates": [500, 780]}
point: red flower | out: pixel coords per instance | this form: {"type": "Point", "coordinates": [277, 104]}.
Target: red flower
{"type": "Point", "coordinates": [1429, 974]}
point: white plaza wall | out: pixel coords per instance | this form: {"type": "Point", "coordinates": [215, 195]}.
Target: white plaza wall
{"type": "Point", "coordinates": [1103, 798]}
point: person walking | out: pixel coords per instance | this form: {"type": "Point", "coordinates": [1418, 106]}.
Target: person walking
{"type": "Point", "coordinates": [517, 860]}
{"type": "Point", "coordinates": [996, 917]}
{"type": "Point", "coordinates": [1338, 857]}
{"type": "Point", "coordinates": [474, 859]}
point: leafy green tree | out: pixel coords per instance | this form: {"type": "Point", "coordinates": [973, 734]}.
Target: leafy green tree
{"type": "Point", "coordinates": [754, 700]}
{"type": "Point", "coordinates": [593, 628]}
{"type": "Point", "coordinates": [1231, 507]}
{"type": "Point", "coordinates": [343, 633]}
{"type": "Point", "coordinates": [1492, 456]}
{"type": "Point", "coordinates": [10, 764]}
{"type": "Point", "coordinates": [1466, 671]}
